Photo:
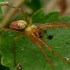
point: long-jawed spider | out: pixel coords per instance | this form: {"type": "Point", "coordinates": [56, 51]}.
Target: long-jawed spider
{"type": "Point", "coordinates": [33, 32]}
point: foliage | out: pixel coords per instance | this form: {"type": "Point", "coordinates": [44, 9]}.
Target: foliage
{"type": "Point", "coordinates": [34, 4]}
{"type": "Point", "coordinates": [27, 53]}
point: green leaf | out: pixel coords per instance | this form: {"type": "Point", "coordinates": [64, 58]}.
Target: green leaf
{"type": "Point", "coordinates": [50, 17]}
{"type": "Point", "coordinates": [33, 4]}
{"type": "Point", "coordinates": [36, 17]}
{"type": "Point", "coordinates": [2, 0]}
{"type": "Point", "coordinates": [64, 19]}
{"type": "Point", "coordinates": [39, 17]}
{"type": "Point", "coordinates": [28, 54]}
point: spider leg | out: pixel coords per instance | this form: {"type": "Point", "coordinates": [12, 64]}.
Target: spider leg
{"type": "Point", "coordinates": [46, 26]}
{"type": "Point", "coordinates": [6, 29]}
{"type": "Point", "coordinates": [14, 47]}
{"type": "Point", "coordinates": [48, 47]}
{"type": "Point", "coordinates": [21, 10]}
{"type": "Point", "coordinates": [39, 46]}
{"type": "Point", "coordinates": [30, 21]}
{"type": "Point", "coordinates": [58, 23]}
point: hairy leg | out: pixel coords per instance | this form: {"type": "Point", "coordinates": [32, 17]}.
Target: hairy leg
{"type": "Point", "coordinates": [14, 47]}
{"type": "Point", "coordinates": [48, 47]}
{"type": "Point", "coordinates": [46, 26]}
{"type": "Point", "coordinates": [6, 29]}
{"type": "Point", "coordinates": [21, 10]}
{"type": "Point", "coordinates": [39, 46]}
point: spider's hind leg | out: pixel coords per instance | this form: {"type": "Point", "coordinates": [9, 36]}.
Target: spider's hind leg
{"type": "Point", "coordinates": [14, 47]}
{"type": "Point", "coordinates": [48, 48]}
{"type": "Point", "coordinates": [39, 46]}
{"type": "Point", "coordinates": [18, 8]}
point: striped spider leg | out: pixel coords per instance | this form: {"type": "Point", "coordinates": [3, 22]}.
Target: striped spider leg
{"type": "Point", "coordinates": [33, 32]}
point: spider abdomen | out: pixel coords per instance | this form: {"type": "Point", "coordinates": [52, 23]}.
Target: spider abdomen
{"type": "Point", "coordinates": [18, 25]}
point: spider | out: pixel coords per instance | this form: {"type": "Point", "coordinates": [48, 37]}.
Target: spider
{"type": "Point", "coordinates": [33, 32]}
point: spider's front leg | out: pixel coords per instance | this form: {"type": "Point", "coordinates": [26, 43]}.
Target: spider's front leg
{"type": "Point", "coordinates": [6, 29]}
{"type": "Point", "coordinates": [10, 13]}
{"type": "Point", "coordinates": [54, 25]}
{"type": "Point", "coordinates": [14, 47]}
{"type": "Point", "coordinates": [39, 46]}
{"type": "Point", "coordinates": [21, 10]}
{"type": "Point", "coordinates": [48, 48]}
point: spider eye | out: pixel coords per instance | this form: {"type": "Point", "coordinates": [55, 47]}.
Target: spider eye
{"type": "Point", "coordinates": [22, 24]}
